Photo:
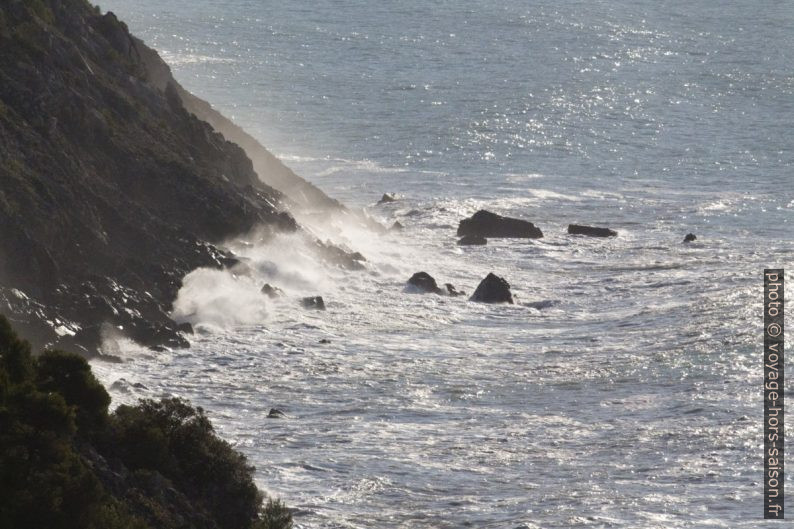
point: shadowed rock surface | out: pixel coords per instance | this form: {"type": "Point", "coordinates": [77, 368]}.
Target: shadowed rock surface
{"type": "Point", "coordinates": [110, 189]}
{"type": "Point", "coordinates": [486, 224]}
{"type": "Point", "coordinates": [472, 240]}
{"type": "Point", "coordinates": [493, 289]}
{"type": "Point", "coordinates": [590, 231]}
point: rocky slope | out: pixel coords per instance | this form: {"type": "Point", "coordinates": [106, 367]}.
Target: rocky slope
{"type": "Point", "coordinates": [111, 189]}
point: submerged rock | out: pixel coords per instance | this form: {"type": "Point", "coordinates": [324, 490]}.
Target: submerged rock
{"type": "Point", "coordinates": [493, 289]}
{"type": "Point", "coordinates": [313, 302]}
{"type": "Point", "coordinates": [271, 291]}
{"type": "Point", "coordinates": [275, 413]}
{"type": "Point", "coordinates": [424, 282]}
{"type": "Point", "coordinates": [690, 237]}
{"type": "Point", "coordinates": [396, 226]}
{"type": "Point", "coordinates": [452, 291]}
{"type": "Point", "coordinates": [487, 224]}
{"type": "Point", "coordinates": [386, 199]}
{"type": "Point", "coordinates": [590, 231]}
{"type": "Point", "coordinates": [472, 240]}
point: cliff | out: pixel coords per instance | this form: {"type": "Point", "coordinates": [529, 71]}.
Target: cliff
{"type": "Point", "coordinates": [111, 187]}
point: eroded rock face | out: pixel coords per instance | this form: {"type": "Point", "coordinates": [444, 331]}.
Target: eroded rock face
{"type": "Point", "coordinates": [590, 231]}
{"type": "Point", "coordinates": [486, 224]}
{"type": "Point", "coordinates": [424, 282]}
{"type": "Point", "coordinates": [493, 289]}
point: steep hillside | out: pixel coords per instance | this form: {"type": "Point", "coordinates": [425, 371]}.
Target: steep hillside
{"type": "Point", "coordinates": [110, 190]}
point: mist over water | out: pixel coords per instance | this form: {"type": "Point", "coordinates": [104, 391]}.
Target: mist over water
{"type": "Point", "coordinates": [624, 387]}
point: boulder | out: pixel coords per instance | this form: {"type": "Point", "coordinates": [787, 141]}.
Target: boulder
{"type": "Point", "coordinates": [396, 226]}
{"type": "Point", "coordinates": [313, 302]}
{"type": "Point", "coordinates": [487, 224]}
{"type": "Point", "coordinates": [690, 237]}
{"type": "Point", "coordinates": [590, 231]}
{"type": "Point", "coordinates": [386, 199]}
{"type": "Point", "coordinates": [424, 282]}
{"type": "Point", "coordinates": [493, 289]}
{"type": "Point", "coordinates": [271, 291]}
{"type": "Point", "coordinates": [472, 240]}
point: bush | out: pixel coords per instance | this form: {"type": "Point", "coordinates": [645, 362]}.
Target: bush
{"type": "Point", "coordinates": [178, 440]}
{"type": "Point", "coordinates": [56, 441]}
{"type": "Point", "coordinates": [70, 376]}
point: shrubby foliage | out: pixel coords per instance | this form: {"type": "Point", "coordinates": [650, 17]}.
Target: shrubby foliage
{"type": "Point", "coordinates": [66, 463]}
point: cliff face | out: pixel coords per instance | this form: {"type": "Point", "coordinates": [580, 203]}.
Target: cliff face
{"type": "Point", "coordinates": [110, 190]}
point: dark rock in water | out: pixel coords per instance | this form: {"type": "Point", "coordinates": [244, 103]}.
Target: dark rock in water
{"type": "Point", "coordinates": [185, 328]}
{"type": "Point", "coordinates": [472, 240]}
{"type": "Point", "coordinates": [413, 213]}
{"type": "Point", "coordinates": [386, 199]}
{"type": "Point", "coordinates": [487, 224]}
{"type": "Point", "coordinates": [313, 302]}
{"type": "Point", "coordinates": [275, 413]}
{"type": "Point", "coordinates": [325, 341]}
{"type": "Point", "coordinates": [452, 291]}
{"type": "Point", "coordinates": [590, 231]}
{"type": "Point", "coordinates": [396, 226]}
{"type": "Point", "coordinates": [271, 291]}
{"type": "Point", "coordinates": [690, 237]}
{"type": "Point", "coordinates": [424, 282]}
{"type": "Point", "coordinates": [493, 289]}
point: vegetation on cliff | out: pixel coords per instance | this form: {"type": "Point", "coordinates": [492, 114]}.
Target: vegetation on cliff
{"type": "Point", "coordinates": [66, 462]}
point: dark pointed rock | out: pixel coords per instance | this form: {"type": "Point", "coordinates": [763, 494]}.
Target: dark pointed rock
{"type": "Point", "coordinates": [487, 224]}
{"type": "Point", "coordinates": [271, 291]}
{"type": "Point", "coordinates": [690, 237]}
{"type": "Point", "coordinates": [386, 199]}
{"type": "Point", "coordinates": [275, 413]}
{"type": "Point", "coordinates": [493, 289]}
{"type": "Point", "coordinates": [396, 226]}
{"type": "Point", "coordinates": [313, 302]}
{"type": "Point", "coordinates": [590, 231]}
{"type": "Point", "coordinates": [424, 282]}
{"type": "Point", "coordinates": [472, 240]}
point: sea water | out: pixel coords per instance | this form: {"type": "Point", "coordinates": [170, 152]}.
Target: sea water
{"type": "Point", "coordinates": [623, 389]}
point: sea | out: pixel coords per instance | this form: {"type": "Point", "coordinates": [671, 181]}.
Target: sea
{"type": "Point", "coordinates": [624, 386]}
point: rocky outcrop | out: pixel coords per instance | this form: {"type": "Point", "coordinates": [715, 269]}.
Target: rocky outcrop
{"type": "Point", "coordinates": [493, 289]}
{"type": "Point", "coordinates": [424, 282]}
{"type": "Point", "coordinates": [111, 190]}
{"type": "Point", "coordinates": [472, 240]}
{"type": "Point", "coordinates": [590, 231]}
{"type": "Point", "coordinates": [486, 224]}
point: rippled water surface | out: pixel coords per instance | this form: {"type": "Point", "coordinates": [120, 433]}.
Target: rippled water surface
{"type": "Point", "coordinates": [624, 387]}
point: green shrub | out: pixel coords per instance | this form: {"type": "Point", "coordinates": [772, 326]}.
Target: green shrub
{"type": "Point", "coordinates": [70, 376]}
{"type": "Point", "coordinates": [177, 440]}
